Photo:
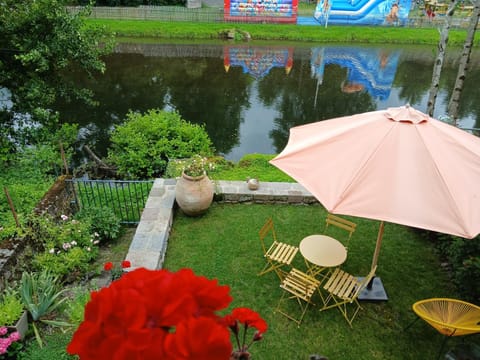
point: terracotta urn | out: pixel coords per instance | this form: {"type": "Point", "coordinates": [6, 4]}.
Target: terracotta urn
{"type": "Point", "coordinates": [194, 194]}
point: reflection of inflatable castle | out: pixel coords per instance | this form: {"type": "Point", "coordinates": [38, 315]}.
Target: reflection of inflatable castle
{"type": "Point", "coordinates": [368, 70]}
{"type": "Point", "coordinates": [257, 61]}
{"type": "Point", "coordinates": [271, 11]}
{"type": "Point", "coordinates": [364, 12]}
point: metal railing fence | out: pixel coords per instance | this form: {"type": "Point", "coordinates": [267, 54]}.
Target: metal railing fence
{"type": "Point", "coordinates": [126, 198]}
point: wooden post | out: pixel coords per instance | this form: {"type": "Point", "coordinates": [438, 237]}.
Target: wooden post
{"type": "Point", "coordinates": [10, 203]}
{"type": "Point", "coordinates": [62, 152]}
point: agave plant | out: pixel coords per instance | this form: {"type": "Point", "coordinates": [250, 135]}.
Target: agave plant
{"type": "Point", "coordinates": [41, 294]}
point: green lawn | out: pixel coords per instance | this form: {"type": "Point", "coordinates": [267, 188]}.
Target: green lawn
{"type": "Point", "coordinates": [175, 31]}
{"type": "Point", "coordinates": [224, 244]}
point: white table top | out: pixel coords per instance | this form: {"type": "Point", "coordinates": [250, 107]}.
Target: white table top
{"type": "Point", "coordinates": [323, 250]}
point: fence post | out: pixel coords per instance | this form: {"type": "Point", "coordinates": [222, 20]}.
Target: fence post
{"type": "Point", "coordinates": [62, 152]}
{"type": "Point", "coordinates": [12, 208]}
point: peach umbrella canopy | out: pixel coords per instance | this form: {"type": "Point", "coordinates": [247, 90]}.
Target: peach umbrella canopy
{"type": "Point", "coordinates": [397, 165]}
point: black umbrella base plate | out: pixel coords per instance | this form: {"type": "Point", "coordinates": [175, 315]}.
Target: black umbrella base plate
{"type": "Point", "coordinates": [375, 293]}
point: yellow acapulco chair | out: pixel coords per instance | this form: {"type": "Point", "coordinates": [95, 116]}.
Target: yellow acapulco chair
{"type": "Point", "coordinates": [450, 317]}
{"type": "Point", "coordinates": [301, 287]}
{"type": "Point", "coordinates": [277, 254]}
{"type": "Point", "coordinates": [340, 223]}
{"type": "Point", "coordinates": [343, 290]}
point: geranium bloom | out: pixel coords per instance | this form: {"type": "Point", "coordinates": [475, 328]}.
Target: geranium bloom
{"type": "Point", "coordinates": [126, 264]}
{"type": "Point", "coordinates": [155, 314]}
{"type": "Point", "coordinates": [108, 266]}
{"type": "Point", "coordinates": [249, 319]}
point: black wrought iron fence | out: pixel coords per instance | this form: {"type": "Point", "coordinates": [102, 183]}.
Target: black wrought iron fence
{"type": "Point", "coordinates": [126, 198]}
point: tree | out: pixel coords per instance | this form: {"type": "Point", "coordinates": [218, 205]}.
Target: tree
{"type": "Point", "coordinates": [464, 61]}
{"type": "Point", "coordinates": [442, 47]}
{"type": "Point", "coordinates": [40, 41]}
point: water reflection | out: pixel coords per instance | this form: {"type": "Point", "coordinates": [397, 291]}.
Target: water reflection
{"type": "Point", "coordinates": [370, 70]}
{"type": "Point", "coordinates": [265, 91]}
{"type": "Point", "coordinates": [258, 61]}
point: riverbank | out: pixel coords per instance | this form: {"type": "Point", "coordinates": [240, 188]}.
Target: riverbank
{"type": "Point", "coordinates": [269, 32]}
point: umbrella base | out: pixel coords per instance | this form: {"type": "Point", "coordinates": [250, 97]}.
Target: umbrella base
{"type": "Point", "coordinates": [374, 293]}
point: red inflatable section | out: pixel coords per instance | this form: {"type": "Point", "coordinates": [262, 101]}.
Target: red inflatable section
{"type": "Point", "coordinates": [263, 11]}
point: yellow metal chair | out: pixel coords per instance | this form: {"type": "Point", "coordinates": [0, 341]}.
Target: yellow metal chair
{"type": "Point", "coordinates": [277, 254]}
{"type": "Point", "coordinates": [449, 317]}
{"type": "Point", "coordinates": [340, 223]}
{"type": "Point", "coordinates": [298, 286]}
{"type": "Point", "coordinates": [342, 292]}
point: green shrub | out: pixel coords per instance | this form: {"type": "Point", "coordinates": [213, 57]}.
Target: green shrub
{"type": "Point", "coordinates": [463, 256]}
{"type": "Point", "coordinates": [103, 222]}
{"type": "Point", "coordinates": [8, 232]}
{"type": "Point", "coordinates": [67, 246]}
{"type": "Point", "coordinates": [76, 307]}
{"type": "Point", "coordinates": [11, 307]}
{"type": "Point", "coordinates": [143, 144]}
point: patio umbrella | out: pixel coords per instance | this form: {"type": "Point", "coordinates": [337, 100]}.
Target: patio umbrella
{"type": "Point", "coordinates": [397, 165]}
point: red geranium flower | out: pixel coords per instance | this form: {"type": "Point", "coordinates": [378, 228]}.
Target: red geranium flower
{"type": "Point", "coordinates": [108, 266]}
{"type": "Point", "coordinates": [126, 264]}
{"type": "Point", "coordinates": [157, 314]}
{"type": "Point", "coordinates": [248, 318]}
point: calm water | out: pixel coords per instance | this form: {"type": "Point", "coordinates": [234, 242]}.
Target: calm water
{"type": "Point", "coordinates": [249, 96]}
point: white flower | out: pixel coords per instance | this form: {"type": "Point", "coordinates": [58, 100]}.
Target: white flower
{"type": "Point", "coordinates": [96, 234]}
{"type": "Point", "coordinates": [64, 217]}
{"type": "Point", "coordinates": [51, 251]}
{"type": "Point", "coordinates": [66, 246]}
{"type": "Point", "coordinates": [96, 242]}
{"type": "Point", "coordinates": [1, 228]}
{"type": "Point", "coordinates": [73, 243]}
{"type": "Point", "coordinates": [89, 249]}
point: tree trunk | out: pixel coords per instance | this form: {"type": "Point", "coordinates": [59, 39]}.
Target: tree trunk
{"type": "Point", "coordinates": [464, 61]}
{"type": "Point", "coordinates": [437, 68]}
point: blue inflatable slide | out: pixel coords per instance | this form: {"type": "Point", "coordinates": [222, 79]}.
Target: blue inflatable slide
{"type": "Point", "coordinates": [362, 12]}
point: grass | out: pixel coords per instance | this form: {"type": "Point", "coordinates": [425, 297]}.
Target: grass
{"type": "Point", "coordinates": [224, 244]}
{"type": "Point", "coordinates": [293, 33]}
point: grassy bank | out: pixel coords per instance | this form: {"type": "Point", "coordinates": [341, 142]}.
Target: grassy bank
{"type": "Point", "coordinates": [233, 256]}
{"type": "Point", "coordinates": [350, 34]}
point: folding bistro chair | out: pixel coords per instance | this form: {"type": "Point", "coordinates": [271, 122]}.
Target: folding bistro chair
{"type": "Point", "coordinates": [298, 286]}
{"type": "Point", "coordinates": [343, 290]}
{"type": "Point", "coordinates": [277, 254]}
{"type": "Point", "coordinates": [341, 223]}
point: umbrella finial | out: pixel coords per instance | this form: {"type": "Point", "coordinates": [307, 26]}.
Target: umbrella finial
{"type": "Point", "coordinates": [406, 114]}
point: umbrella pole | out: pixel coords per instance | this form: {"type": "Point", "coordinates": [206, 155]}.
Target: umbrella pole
{"type": "Point", "coordinates": [377, 252]}
{"type": "Point", "coordinates": [375, 290]}
{"type": "Point", "coordinates": [379, 244]}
